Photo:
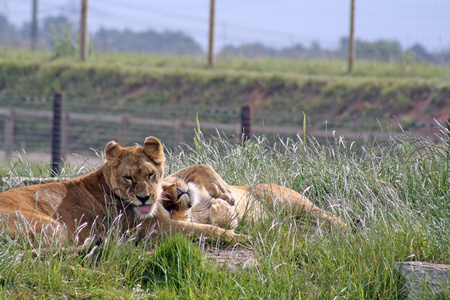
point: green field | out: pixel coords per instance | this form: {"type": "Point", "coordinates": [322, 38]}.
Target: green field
{"type": "Point", "coordinates": [399, 190]}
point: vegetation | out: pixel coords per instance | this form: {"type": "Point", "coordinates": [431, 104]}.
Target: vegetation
{"type": "Point", "coordinates": [104, 40]}
{"type": "Point", "coordinates": [377, 90]}
{"type": "Point", "coordinates": [399, 191]}
{"type": "Point", "coordinates": [378, 51]}
{"type": "Point", "coordinates": [178, 43]}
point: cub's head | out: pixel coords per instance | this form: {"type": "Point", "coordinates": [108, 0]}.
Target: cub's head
{"type": "Point", "coordinates": [179, 196]}
{"type": "Point", "coordinates": [135, 174]}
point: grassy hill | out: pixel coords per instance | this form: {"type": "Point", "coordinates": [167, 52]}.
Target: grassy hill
{"type": "Point", "coordinates": [411, 92]}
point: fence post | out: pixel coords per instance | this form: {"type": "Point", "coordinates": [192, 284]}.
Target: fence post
{"type": "Point", "coordinates": [212, 13]}
{"type": "Point", "coordinates": [58, 103]}
{"type": "Point", "coordinates": [9, 133]}
{"type": "Point", "coordinates": [351, 38]}
{"type": "Point", "coordinates": [84, 34]}
{"type": "Point", "coordinates": [246, 122]}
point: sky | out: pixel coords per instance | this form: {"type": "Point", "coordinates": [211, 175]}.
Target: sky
{"type": "Point", "coordinates": [274, 23]}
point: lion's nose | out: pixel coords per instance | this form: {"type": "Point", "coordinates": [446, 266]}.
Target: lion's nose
{"type": "Point", "coordinates": [143, 199]}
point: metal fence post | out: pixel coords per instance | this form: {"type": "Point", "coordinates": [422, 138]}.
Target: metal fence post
{"type": "Point", "coordinates": [246, 122]}
{"type": "Point", "coordinates": [58, 108]}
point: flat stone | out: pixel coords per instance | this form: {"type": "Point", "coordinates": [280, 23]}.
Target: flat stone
{"type": "Point", "coordinates": [424, 280]}
{"type": "Point", "coordinates": [232, 259]}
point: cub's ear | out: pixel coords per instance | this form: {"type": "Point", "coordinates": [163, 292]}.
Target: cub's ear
{"type": "Point", "coordinates": [165, 195]}
{"type": "Point", "coordinates": [154, 150]}
{"type": "Point", "coordinates": [112, 150]}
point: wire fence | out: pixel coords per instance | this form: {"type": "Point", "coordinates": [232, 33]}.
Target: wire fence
{"type": "Point", "coordinates": [26, 125]}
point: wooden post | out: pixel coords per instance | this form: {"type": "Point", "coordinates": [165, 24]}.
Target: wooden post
{"type": "Point", "coordinates": [84, 36]}
{"type": "Point", "coordinates": [9, 133]}
{"type": "Point", "coordinates": [211, 33]}
{"type": "Point", "coordinates": [58, 108]}
{"type": "Point", "coordinates": [34, 26]}
{"type": "Point", "coordinates": [351, 39]}
{"type": "Point", "coordinates": [246, 122]}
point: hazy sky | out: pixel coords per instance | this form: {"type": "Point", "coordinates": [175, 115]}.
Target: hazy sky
{"type": "Point", "coordinates": [275, 23]}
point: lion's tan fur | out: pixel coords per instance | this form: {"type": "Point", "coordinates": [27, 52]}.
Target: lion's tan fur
{"type": "Point", "coordinates": [228, 207]}
{"type": "Point", "coordinates": [128, 183]}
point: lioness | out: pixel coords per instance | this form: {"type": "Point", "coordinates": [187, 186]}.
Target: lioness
{"type": "Point", "coordinates": [185, 196]}
{"type": "Point", "coordinates": [129, 183]}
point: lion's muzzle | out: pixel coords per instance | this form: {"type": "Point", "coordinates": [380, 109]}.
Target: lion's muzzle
{"type": "Point", "coordinates": [143, 199]}
{"type": "Point", "coordinates": [145, 205]}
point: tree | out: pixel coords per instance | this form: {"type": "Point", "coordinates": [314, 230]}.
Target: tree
{"type": "Point", "coordinates": [149, 41]}
{"type": "Point", "coordinates": [253, 50]}
{"type": "Point", "coordinates": [52, 27]}
{"type": "Point", "coordinates": [421, 53]}
{"type": "Point", "coordinates": [8, 34]}
{"type": "Point", "coordinates": [382, 50]}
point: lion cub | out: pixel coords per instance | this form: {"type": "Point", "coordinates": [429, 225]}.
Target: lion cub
{"type": "Point", "coordinates": [189, 202]}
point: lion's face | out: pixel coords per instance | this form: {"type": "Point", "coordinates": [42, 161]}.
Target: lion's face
{"type": "Point", "coordinates": [135, 174]}
{"type": "Point", "coordinates": [179, 195]}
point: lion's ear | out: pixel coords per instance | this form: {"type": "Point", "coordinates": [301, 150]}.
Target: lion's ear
{"type": "Point", "coordinates": [112, 150]}
{"type": "Point", "coordinates": [154, 150]}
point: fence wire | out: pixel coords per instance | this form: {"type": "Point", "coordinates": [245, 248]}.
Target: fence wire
{"type": "Point", "coordinates": [26, 125]}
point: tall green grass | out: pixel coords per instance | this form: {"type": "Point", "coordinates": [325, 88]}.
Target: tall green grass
{"type": "Point", "coordinates": [398, 189]}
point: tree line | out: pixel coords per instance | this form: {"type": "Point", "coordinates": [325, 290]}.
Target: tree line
{"type": "Point", "coordinates": [56, 33]}
{"type": "Point", "coordinates": [381, 50]}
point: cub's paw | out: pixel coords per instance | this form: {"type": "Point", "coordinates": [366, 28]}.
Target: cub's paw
{"type": "Point", "coordinates": [222, 214]}
{"type": "Point", "coordinates": [227, 195]}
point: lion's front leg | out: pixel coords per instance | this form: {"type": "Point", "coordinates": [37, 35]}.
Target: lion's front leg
{"type": "Point", "coordinates": [203, 230]}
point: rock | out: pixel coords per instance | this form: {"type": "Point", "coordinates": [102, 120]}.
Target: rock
{"type": "Point", "coordinates": [423, 280]}
{"type": "Point", "coordinates": [232, 259]}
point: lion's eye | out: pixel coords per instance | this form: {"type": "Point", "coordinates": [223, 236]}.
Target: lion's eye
{"type": "Point", "coordinates": [151, 175]}
{"type": "Point", "coordinates": [128, 178]}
